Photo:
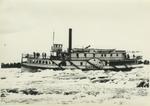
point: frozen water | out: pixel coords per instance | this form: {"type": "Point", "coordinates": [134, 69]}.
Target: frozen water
{"type": "Point", "coordinates": [74, 87]}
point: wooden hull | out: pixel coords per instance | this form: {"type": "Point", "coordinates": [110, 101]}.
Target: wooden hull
{"type": "Point", "coordinates": [55, 67]}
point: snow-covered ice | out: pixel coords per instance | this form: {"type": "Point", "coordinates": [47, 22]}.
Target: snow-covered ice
{"type": "Point", "coordinates": [74, 87]}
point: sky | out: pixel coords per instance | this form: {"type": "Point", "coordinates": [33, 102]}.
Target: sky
{"type": "Point", "coordinates": [27, 25]}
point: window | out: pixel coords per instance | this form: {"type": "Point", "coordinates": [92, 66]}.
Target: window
{"type": "Point", "coordinates": [39, 61]}
{"type": "Point", "coordinates": [36, 61]}
{"type": "Point", "coordinates": [117, 54]}
{"type": "Point", "coordinates": [105, 55]}
{"type": "Point", "coordinates": [49, 62]}
{"type": "Point", "coordinates": [110, 55]}
{"type": "Point", "coordinates": [43, 62]}
{"type": "Point", "coordinates": [46, 62]}
{"type": "Point", "coordinates": [102, 55]}
{"type": "Point", "coordinates": [84, 54]}
{"type": "Point", "coordinates": [93, 55]}
{"type": "Point", "coordinates": [77, 55]}
{"type": "Point", "coordinates": [81, 63]}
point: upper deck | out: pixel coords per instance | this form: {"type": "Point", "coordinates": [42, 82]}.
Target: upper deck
{"type": "Point", "coordinates": [103, 54]}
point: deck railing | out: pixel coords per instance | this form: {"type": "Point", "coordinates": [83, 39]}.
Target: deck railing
{"type": "Point", "coordinates": [34, 56]}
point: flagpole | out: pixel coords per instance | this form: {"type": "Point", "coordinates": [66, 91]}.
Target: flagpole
{"type": "Point", "coordinates": [53, 37]}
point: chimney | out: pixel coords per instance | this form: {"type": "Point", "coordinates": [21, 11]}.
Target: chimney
{"type": "Point", "coordinates": [70, 41]}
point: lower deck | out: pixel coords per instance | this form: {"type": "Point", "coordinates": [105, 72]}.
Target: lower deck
{"type": "Point", "coordinates": [92, 64]}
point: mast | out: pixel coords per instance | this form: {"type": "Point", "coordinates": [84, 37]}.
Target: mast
{"type": "Point", "coordinates": [53, 37]}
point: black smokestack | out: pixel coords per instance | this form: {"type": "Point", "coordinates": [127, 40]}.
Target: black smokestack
{"type": "Point", "coordinates": [70, 41]}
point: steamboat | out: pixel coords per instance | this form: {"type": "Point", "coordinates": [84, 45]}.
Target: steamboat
{"type": "Point", "coordinates": [82, 58]}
